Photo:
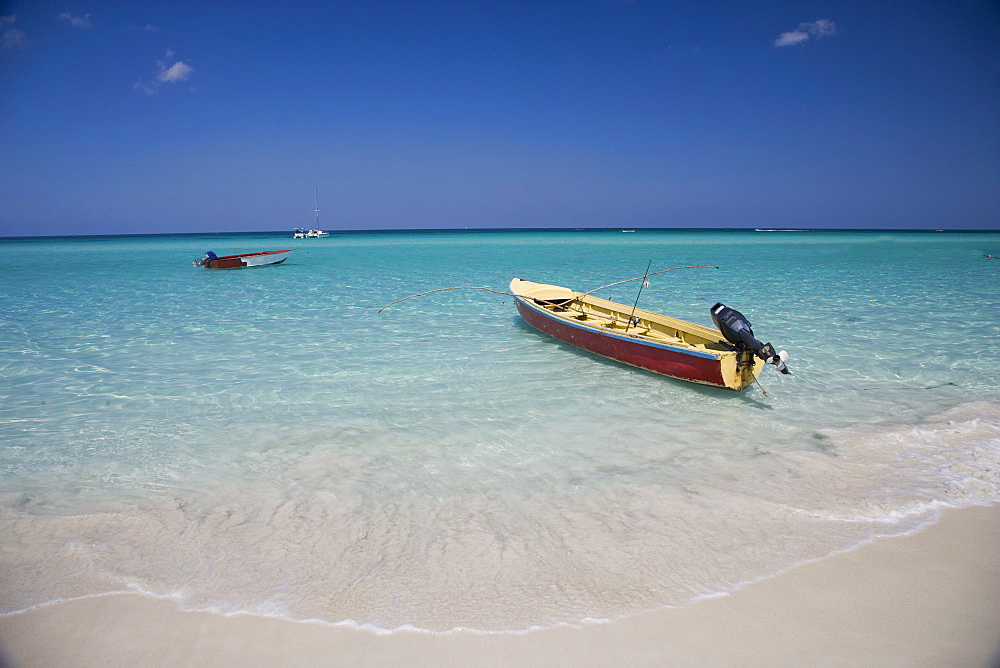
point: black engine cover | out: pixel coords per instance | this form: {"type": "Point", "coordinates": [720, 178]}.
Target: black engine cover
{"type": "Point", "coordinates": [736, 328]}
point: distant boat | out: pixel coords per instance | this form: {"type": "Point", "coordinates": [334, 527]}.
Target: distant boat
{"type": "Point", "coordinates": [241, 260]}
{"type": "Point", "coordinates": [315, 231]}
{"type": "Point", "coordinates": [308, 234]}
{"type": "Point", "coordinates": [728, 357]}
{"type": "Point", "coordinates": [628, 230]}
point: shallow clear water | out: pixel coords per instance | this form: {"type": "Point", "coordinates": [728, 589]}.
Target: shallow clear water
{"type": "Point", "coordinates": [265, 441]}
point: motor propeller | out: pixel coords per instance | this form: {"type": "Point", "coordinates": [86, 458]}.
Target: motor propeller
{"type": "Point", "coordinates": [206, 259]}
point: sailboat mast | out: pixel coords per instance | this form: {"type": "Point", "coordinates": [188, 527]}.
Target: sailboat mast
{"type": "Point", "coordinates": [316, 206]}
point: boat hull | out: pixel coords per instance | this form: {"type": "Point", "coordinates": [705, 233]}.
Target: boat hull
{"type": "Point", "coordinates": [704, 368]}
{"type": "Point", "coordinates": [245, 260]}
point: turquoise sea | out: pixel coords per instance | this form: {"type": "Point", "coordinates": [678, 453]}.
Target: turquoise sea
{"type": "Point", "coordinates": [264, 441]}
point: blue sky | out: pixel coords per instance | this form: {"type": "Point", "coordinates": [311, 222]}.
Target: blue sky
{"type": "Point", "coordinates": [152, 117]}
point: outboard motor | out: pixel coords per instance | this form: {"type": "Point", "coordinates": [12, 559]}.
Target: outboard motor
{"type": "Point", "coordinates": [737, 331]}
{"type": "Point", "coordinates": [206, 260]}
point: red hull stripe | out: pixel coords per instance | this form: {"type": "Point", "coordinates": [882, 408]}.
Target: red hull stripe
{"type": "Point", "coordinates": [667, 360]}
{"type": "Point", "coordinates": [236, 263]}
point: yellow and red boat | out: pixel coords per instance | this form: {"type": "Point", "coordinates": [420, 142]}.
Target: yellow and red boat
{"type": "Point", "coordinates": [241, 260]}
{"type": "Point", "coordinates": [728, 357]}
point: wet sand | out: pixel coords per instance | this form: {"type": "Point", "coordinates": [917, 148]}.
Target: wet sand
{"type": "Point", "coordinates": [928, 599]}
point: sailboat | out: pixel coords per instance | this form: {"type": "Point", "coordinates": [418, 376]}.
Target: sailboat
{"type": "Point", "coordinates": [315, 231]}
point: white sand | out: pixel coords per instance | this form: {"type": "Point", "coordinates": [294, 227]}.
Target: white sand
{"type": "Point", "coordinates": [931, 599]}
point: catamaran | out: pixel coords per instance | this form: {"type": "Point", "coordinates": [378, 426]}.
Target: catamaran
{"type": "Point", "coordinates": [315, 231]}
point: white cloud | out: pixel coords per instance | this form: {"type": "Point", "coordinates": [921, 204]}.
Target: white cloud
{"type": "Point", "coordinates": [76, 21]}
{"type": "Point", "coordinates": [789, 38]}
{"type": "Point", "coordinates": [13, 39]}
{"type": "Point", "coordinates": [820, 28]}
{"type": "Point", "coordinates": [166, 72]}
{"type": "Point", "coordinates": [179, 71]}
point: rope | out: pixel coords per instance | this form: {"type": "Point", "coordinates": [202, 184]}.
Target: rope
{"type": "Point", "coordinates": [458, 287]}
{"type": "Point", "coordinates": [638, 278]}
{"type": "Point", "coordinates": [568, 301]}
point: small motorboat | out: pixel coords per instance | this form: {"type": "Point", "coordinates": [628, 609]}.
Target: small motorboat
{"type": "Point", "coordinates": [728, 357]}
{"type": "Point", "coordinates": [241, 260]}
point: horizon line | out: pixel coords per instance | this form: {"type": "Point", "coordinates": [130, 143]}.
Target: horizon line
{"type": "Point", "coordinates": [516, 229]}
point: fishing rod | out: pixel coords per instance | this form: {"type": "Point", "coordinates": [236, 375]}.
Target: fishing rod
{"type": "Point", "coordinates": [629, 280]}
{"type": "Point", "coordinates": [644, 283]}
{"type": "Point", "coordinates": [578, 296]}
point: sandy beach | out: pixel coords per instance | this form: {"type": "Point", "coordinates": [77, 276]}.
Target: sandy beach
{"type": "Point", "coordinates": [928, 599]}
